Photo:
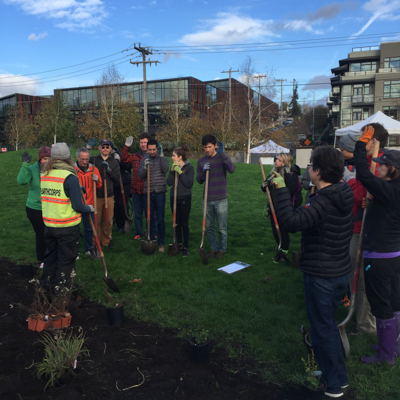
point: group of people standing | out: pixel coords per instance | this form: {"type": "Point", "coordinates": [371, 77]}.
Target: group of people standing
{"type": "Point", "coordinates": [330, 222]}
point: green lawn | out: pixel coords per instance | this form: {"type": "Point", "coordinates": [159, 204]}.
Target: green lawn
{"type": "Point", "coordinates": [265, 318]}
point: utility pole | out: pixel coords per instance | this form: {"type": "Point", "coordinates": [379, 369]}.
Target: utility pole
{"type": "Point", "coordinates": [281, 81]}
{"type": "Point", "coordinates": [145, 51]}
{"type": "Point", "coordinates": [230, 94]}
{"type": "Point", "coordinates": [259, 101]}
{"type": "Point", "coordinates": [313, 111]}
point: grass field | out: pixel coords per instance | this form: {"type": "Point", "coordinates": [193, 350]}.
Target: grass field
{"type": "Point", "coordinates": [182, 293]}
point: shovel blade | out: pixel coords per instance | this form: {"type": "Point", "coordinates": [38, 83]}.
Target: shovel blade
{"type": "Point", "coordinates": [128, 225]}
{"type": "Point", "coordinates": [203, 256]}
{"type": "Point", "coordinates": [174, 249]}
{"type": "Point", "coordinates": [149, 247]}
{"type": "Point", "coordinates": [111, 284]}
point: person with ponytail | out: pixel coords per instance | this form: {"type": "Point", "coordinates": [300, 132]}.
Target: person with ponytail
{"type": "Point", "coordinates": [185, 172]}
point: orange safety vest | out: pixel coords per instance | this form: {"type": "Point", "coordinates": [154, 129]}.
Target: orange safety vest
{"type": "Point", "coordinates": [57, 210]}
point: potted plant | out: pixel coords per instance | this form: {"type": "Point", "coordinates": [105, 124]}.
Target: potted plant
{"type": "Point", "coordinates": [313, 387]}
{"type": "Point", "coordinates": [62, 351]}
{"type": "Point", "coordinates": [115, 313]}
{"type": "Point", "coordinates": [200, 347]}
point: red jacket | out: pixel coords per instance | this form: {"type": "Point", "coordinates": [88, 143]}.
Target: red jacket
{"type": "Point", "coordinates": [359, 193]}
{"type": "Point", "coordinates": [85, 180]}
{"type": "Point", "coordinates": [137, 185]}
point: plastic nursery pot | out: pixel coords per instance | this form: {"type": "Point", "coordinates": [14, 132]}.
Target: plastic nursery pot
{"type": "Point", "coordinates": [26, 271]}
{"type": "Point", "coordinates": [56, 323]}
{"type": "Point", "coordinates": [199, 353]}
{"type": "Point", "coordinates": [32, 322]}
{"type": "Point", "coordinates": [42, 325]}
{"type": "Point", "coordinates": [314, 394]}
{"type": "Point", "coordinates": [115, 316]}
{"type": "Point", "coordinates": [66, 321]}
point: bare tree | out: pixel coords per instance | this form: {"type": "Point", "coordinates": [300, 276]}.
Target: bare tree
{"type": "Point", "coordinates": [19, 127]}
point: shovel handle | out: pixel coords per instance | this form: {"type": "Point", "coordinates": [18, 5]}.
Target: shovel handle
{"type": "Point", "coordinates": [106, 201]}
{"type": "Point", "coordinates": [175, 201]}
{"type": "Point", "coordinates": [94, 198]}
{"type": "Point", "coordinates": [123, 196]}
{"type": "Point", "coordinates": [203, 229]}
{"type": "Point", "coordinates": [148, 202]}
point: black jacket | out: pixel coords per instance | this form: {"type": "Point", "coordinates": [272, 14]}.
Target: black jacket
{"type": "Point", "coordinates": [111, 177]}
{"type": "Point", "coordinates": [382, 223]}
{"type": "Point", "coordinates": [326, 222]}
{"type": "Point", "coordinates": [185, 181]}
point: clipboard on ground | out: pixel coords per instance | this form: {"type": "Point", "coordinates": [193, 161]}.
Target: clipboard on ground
{"type": "Point", "coordinates": [234, 267]}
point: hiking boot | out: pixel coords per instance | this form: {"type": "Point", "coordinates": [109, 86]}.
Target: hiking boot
{"type": "Point", "coordinates": [211, 254]}
{"type": "Point", "coordinates": [284, 256]}
{"type": "Point", "coordinates": [219, 254]}
{"type": "Point", "coordinates": [277, 256]}
{"type": "Point", "coordinates": [161, 248]}
{"type": "Point", "coordinates": [185, 252]}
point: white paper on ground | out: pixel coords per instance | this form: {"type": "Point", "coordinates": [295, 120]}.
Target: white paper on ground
{"type": "Point", "coordinates": [231, 268]}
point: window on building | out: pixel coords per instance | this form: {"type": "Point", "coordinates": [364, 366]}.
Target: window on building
{"type": "Point", "coordinates": [391, 89]}
{"type": "Point", "coordinates": [392, 112]}
{"type": "Point", "coordinates": [364, 66]}
{"type": "Point", "coordinates": [391, 62]}
{"type": "Point", "coordinates": [357, 114]}
{"type": "Point", "coordinates": [394, 140]}
{"type": "Point", "coordinates": [346, 116]}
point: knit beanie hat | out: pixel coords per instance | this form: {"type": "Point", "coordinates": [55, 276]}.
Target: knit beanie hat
{"type": "Point", "coordinates": [348, 142]}
{"type": "Point", "coordinates": [60, 151]}
{"type": "Point", "coordinates": [44, 152]}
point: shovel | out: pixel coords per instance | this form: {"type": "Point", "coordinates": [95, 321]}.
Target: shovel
{"type": "Point", "coordinates": [94, 200]}
{"type": "Point", "coordinates": [109, 282]}
{"type": "Point", "coordinates": [106, 207]}
{"type": "Point", "coordinates": [148, 246]}
{"type": "Point", "coordinates": [128, 221]}
{"type": "Point", "coordinates": [341, 326]}
{"type": "Point", "coordinates": [174, 249]}
{"type": "Point", "coordinates": [202, 252]}
{"type": "Point", "coordinates": [271, 204]}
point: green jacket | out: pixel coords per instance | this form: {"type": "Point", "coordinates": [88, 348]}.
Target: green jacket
{"type": "Point", "coordinates": [31, 174]}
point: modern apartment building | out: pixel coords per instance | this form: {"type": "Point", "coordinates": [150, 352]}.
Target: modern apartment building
{"type": "Point", "coordinates": [365, 82]}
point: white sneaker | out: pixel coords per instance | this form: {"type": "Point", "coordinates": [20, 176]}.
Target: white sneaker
{"type": "Point", "coordinates": [41, 265]}
{"type": "Point", "coordinates": [334, 395]}
{"type": "Point", "coordinates": [87, 253]}
{"type": "Point", "coordinates": [77, 257]}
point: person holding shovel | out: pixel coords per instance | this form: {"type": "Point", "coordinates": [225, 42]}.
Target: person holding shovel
{"type": "Point", "coordinates": [290, 172]}
{"type": "Point", "coordinates": [218, 163]}
{"type": "Point", "coordinates": [109, 173]}
{"type": "Point", "coordinates": [326, 222]}
{"type": "Point", "coordinates": [381, 245]}
{"type": "Point", "coordinates": [62, 208]}
{"type": "Point", "coordinates": [31, 174]}
{"type": "Point", "coordinates": [185, 172]}
{"type": "Point", "coordinates": [87, 174]}
{"type": "Point", "coordinates": [365, 320]}
{"type": "Point", "coordinates": [159, 166]}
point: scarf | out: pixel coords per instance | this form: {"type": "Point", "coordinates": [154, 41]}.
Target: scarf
{"type": "Point", "coordinates": [60, 164]}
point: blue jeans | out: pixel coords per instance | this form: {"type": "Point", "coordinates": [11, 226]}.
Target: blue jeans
{"type": "Point", "coordinates": [217, 210]}
{"type": "Point", "coordinates": [323, 297]}
{"type": "Point", "coordinates": [139, 209]}
{"type": "Point", "coordinates": [88, 233]}
{"type": "Point", "coordinates": [157, 209]}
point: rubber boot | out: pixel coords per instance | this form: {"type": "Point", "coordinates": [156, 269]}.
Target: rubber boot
{"type": "Point", "coordinates": [397, 351]}
{"type": "Point", "coordinates": [386, 330]}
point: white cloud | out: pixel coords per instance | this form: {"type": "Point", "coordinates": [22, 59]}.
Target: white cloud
{"type": "Point", "coordinates": [318, 82]}
{"type": "Point", "coordinates": [10, 84]}
{"type": "Point", "coordinates": [72, 15]}
{"type": "Point", "coordinates": [33, 36]}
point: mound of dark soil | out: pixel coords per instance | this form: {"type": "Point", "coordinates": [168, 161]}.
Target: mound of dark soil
{"type": "Point", "coordinates": [119, 358]}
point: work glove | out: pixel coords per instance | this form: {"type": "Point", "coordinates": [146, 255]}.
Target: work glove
{"type": "Point", "coordinates": [177, 169]}
{"type": "Point", "coordinates": [129, 141]}
{"type": "Point", "coordinates": [95, 178]}
{"type": "Point", "coordinates": [159, 150]}
{"type": "Point", "coordinates": [116, 156]}
{"type": "Point", "coordinates": [310, 185]}
{"type": "Point", "coordinates": [367, 134]}
{"type": "Point", "coordinates": [147, 161]}
{"type": "Point", "coordinates": [91, 208]}
{"type": "Point", "coordinates": [347, 175]}
{"type": "Point", "coordinates": [106, 165]}
{"type": "Point", "coordinates": [26, 157]}
{"type": "Point", "coordinates": [220, 147]}
{"type": "Point", "coordinates": [278, 180]}
{"type": "Point", "coordinates": [91, 143]}
{"type": "Point", "coordinates": [206, 167]}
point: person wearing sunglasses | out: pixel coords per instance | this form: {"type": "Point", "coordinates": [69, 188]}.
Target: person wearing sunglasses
{"type": "Point", "coordinates": [109, 170]}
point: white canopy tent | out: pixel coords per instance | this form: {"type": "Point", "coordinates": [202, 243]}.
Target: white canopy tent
{"type": "Point", "coordinates": [269, 147]}
{"type": "Point", "coordinates": [390, 124]}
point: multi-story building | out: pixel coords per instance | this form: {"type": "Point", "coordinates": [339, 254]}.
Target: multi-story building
{"type": "Point", "coordinates": [365, 82]}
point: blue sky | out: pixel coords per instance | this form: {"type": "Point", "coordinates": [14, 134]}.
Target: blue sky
{"type": "Point", "coordinates": [55, 35]}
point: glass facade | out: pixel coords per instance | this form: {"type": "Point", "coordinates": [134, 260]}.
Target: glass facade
{"type": "Point", "coordinates": [364, 66]}
{"type": "Point", "coordinates": [6, 105]}
{"type": "Point", "coordinates": [391, 89]}
{"type": "Point", "coordinates": [391, 62]}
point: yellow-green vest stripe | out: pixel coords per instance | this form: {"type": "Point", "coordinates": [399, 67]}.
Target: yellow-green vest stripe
{"type": "Point", "coordinates": [56, 206]}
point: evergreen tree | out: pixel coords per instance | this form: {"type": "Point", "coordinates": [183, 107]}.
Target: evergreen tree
{"type": "Point", "coordinates": [294, 107]}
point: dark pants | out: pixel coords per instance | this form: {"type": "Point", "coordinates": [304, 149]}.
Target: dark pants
{"type": "Point", "coordinates": [285, 236]}
{"type": "Point", "coordinates": [323, 297]}
{"type": "Point", "coordinates": [119, 210]}
{"type": "Point", "coordinates": [183, 207]}
{"type": "Point", "coordinates": [88, 233]}
{"type": "Point", "coordinates": [382, 284]}
{"type": "Point", "coordinates": [62, 250]}
{"type": "Point", "coordinates": [36, 219]}
{"type": "Point", "coordinates": [139, 208]}
{"type": "Point", "coordinates": [157, 208]}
